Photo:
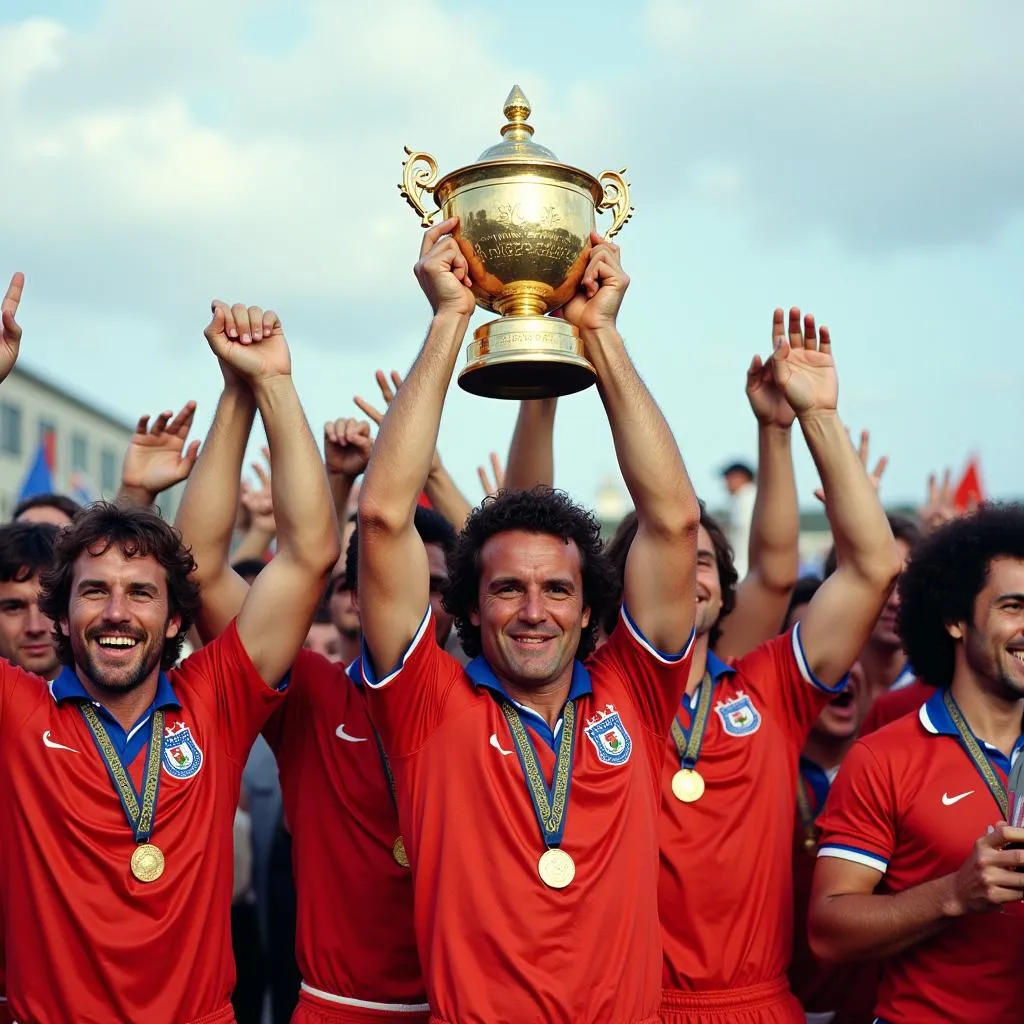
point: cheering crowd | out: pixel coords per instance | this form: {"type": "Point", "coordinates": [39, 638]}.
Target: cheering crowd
{"type": "Point", "coordinates": [527, 775]}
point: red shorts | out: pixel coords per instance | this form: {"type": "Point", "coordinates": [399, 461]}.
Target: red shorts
{"type": "Point", "coordinates": [316, 1008]}
{"type": "Point", "coordinates": [225, 1015]}
{"type": "Point", "coordinates": [768, 1003]}
{"type": "Point", "coordinates": [645, 1020]}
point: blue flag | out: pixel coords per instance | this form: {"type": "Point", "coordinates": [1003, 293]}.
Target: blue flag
{"type": "Point", "coordinates": [39, 479]}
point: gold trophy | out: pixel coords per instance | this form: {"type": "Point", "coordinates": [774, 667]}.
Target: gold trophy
{"type": "Point", "coordinates": [524, 227]}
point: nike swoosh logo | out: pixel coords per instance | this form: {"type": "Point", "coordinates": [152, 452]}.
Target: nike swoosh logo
{"type": "Point", "coordinates": [342, 735]}
{"type": "Point", "coordinates": [497, 746]}
{"type": "Point", "coordinates": [948, 800]}
{"type": "Point", "coordinates": [54, 745]}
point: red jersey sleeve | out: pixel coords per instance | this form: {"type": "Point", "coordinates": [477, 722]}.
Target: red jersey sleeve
{"type": "Point", "coordinates": [408, 702]}
{"type": "Point", "coordinates": [859, 823]}
{"type": "Point", "coordinates": [655, 681]}
{"type": "Point", "coordinates": [223, 676]}
{"type": "Point", "coordinates": [779, 673]}
{"type": "Point", "coordinates": [288, 716]}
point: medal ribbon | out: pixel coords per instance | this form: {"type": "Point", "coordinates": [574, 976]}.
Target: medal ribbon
{"type": "Point", "coordinates": [689, 741]}
{"type": "Point", "coordinates": [977, 755]}
{"type": "Point", "coordinates": [549, 802]}
{"type": "Point", "coordinates": [139, 809]}
{"type": "Point", "coordinates": [803, 803]}
{"type": "Point", "coordinates": [386, 764]}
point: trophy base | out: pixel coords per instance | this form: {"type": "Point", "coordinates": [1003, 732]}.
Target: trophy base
{"type": "Point", "coordinates": [520, 357]}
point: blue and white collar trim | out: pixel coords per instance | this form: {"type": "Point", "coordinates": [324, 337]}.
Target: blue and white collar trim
{"type": "Point", "coordinates": [935, 719]}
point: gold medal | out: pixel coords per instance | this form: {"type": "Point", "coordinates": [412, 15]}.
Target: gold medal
{"type": "Point", "coordinates": [147, 862]}
{"type": "Point", "coordinates": [810, 845]}
{"type": "Point", "coordinates": [688, 785]}
{"type": "Point", "coordinates": [556, 868]}
{"type": "Point", "coordinates": [399, 853]}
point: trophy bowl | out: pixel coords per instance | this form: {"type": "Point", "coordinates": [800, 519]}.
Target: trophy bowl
{"type": "Point", "coordinates": [524, 228]}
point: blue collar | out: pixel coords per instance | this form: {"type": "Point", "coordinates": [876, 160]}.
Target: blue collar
{"type": "Point", "coordinates": [483, 675]}
{"type": "Point", "coordinates": [717, 668]}
{"type": "Point", "coordinates": [355, 671]}
{"type": "Point", "coordinates": [935, 719]}
{"type": "Point", "coordinates": [67, 686]}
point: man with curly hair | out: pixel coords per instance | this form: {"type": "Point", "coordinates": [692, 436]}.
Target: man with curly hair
{"type": "Point", "coordinates": [918, 867]}
{"type": "Point", "coordinates": [121, 778]}
{"type": "Point", "coordinates": [527, 782]}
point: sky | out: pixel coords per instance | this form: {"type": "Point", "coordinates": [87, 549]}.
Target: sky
{"type": "Point", "coordinates": [862, 160]}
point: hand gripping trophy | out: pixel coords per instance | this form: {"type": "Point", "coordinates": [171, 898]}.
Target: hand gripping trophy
{"type": "Point", "coordinates": [524, 227]}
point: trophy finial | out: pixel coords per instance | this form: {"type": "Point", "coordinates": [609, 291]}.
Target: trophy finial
{"type": "Point", "coordinates": [516, 142]}
{"type": "Point", "coordinates": [517, 108]}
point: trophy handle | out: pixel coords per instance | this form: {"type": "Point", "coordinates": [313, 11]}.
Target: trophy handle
{"type": "Point", "coordinates": [418, 177]}
{"type": "Point", "coordinates": [616, 199]}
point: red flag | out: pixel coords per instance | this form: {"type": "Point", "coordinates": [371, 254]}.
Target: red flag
{"type": "Point", "coordinates": [969, 492]}
{"type": "Point", "coordinates": [48, 440]}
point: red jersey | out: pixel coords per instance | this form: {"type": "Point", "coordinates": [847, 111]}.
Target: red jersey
{"type": "Point", "coordinates": [910, 803]}
{"type": "Point", "coordinates": [726, 889]}
{"type": "Point", "coordinates": [895, 703]}
{"type": "Point", "coordinates": [496, 944]}
{"type": "Point", "coordinates": [354, 931]}
{"type": "Point", "coordinates": [845, 990]}
{"type": "Point", "coordinates": [102, 946]}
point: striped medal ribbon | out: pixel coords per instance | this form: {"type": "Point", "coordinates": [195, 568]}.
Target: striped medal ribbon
{"type": "Point", "coordinates": [550, 803]}
{"type": "Point", "coordinates": [148, 862]}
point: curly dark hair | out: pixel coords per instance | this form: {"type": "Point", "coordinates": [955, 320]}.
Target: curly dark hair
{"type": "Point", "coordinates": [26, 549]}
{"type": "Point", "coordinates": [138, 532]}
{"type": "Point", "coordinates": [944, 575]}
{"type": "Point", "coordinates": [618, 548]}
{"type": "Point", "coordinates": [540, 510]}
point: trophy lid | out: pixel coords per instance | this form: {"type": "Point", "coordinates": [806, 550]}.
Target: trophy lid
{"type": "Point", "coordinates": [516, 141]}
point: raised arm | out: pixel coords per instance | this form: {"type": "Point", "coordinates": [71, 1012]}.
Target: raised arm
{"type": "Point", "coordinates": [660, 577]}
{"type": "Point", "coordinates": [531, 456]}
{"type": "Point", "coordinates": [441, 490]}
{"type": "Point", "coordinates": [347, 446]}
{"type": "Point", "coordinates": [774, 557]}
{"type": "Point", "coordinates": [279, 606]}
{"type": "Point", "coordinates": [157, 458]}
{"type": "Point", "coordinates": [10, 331]}
{"type": "Point", "coordinates": [841, 614]}
{"type": "Point", "coordinates": [257, 507]}
{"type": "Point", "coordinates": [206, 515]}
{"type": "Point", "coordinates": [394, 576]}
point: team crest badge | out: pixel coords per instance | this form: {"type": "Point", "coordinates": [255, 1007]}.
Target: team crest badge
{"type": "Point", "coordinates": [739, 716]}
{"type": "Point", "coordinates": [182, 756]}
{"type": "Point", "coordinates": [610, 739]}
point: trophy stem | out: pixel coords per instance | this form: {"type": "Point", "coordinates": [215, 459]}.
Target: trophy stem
{"type": "Point", "coordinates": [523, 298]}
{"type": "Point", "coordinates": [522, 357]}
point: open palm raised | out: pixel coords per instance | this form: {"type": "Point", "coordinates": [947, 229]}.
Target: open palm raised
{"type": "Point", "coordinates": [803, 367]}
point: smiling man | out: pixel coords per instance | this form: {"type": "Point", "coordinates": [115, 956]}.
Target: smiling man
{"type": "Point", "coordinates": [917, 866]}
{"type": "Point", "coordinates": [527, 783]}
{"type": "Point", "coordinates": [124, 772]}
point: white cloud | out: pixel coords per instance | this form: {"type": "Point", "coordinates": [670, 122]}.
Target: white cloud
{"type": "Point", "coordinates": [158, 155]}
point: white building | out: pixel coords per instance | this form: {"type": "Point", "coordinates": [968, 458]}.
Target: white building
{"type": "Point", "coordinates": [88, 444]}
